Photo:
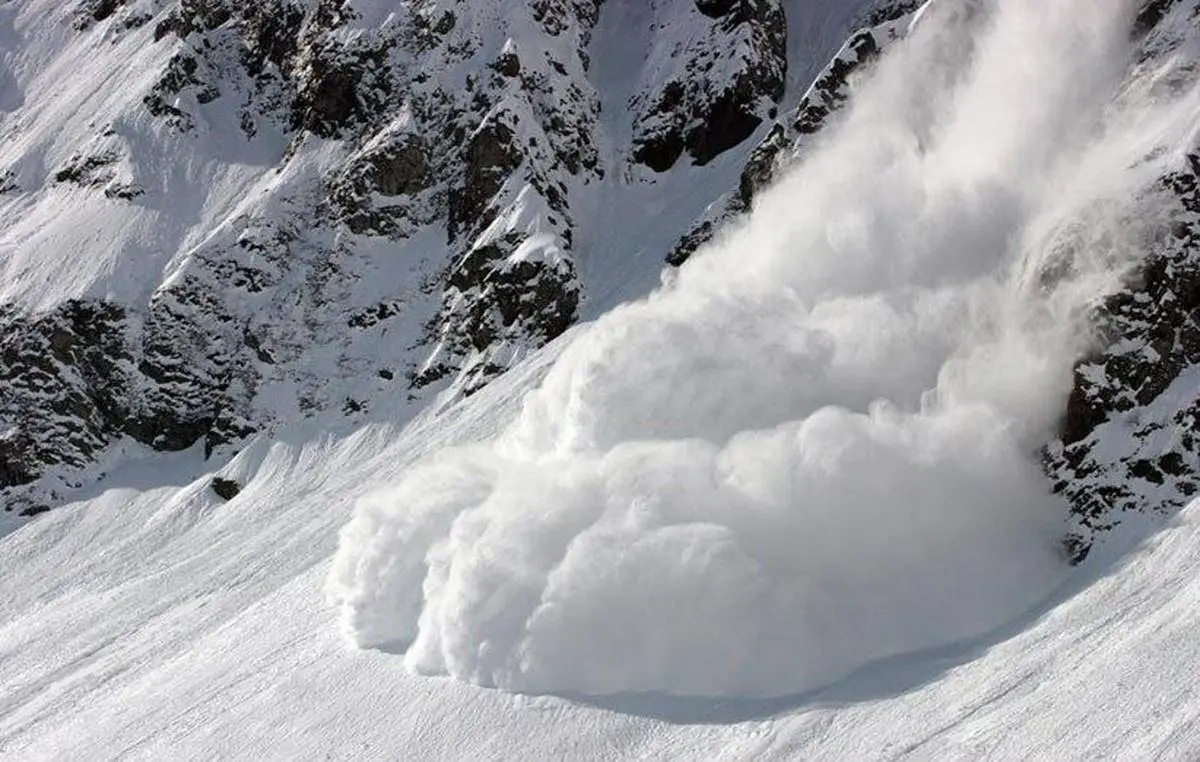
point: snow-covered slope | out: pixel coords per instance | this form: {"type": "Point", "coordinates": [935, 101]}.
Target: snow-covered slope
{"type": "Point", "coordinates": [158, 621]}
{"type": "Point", "coordinates": [776, 448]}
{"type": "Point", "coordinates": [793, 504]}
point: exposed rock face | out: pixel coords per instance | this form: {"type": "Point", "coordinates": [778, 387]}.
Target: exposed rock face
{"type": "Point", "coordinates": [65, 373]}
{"type": "Point", "coordinates": [1151, 15]}
{"type": "Point", "coordinates": [421, 131]}
{"type": "Point", "coordinates": [500, 300]}
{"type": "Point", "coordinates": [226, 489]}
{"type": "Point", "coordinates": [397, 167]}
{"type": "Point", "coordinates": [1128, 441]}
{"type": "Point", "coordinates": [727, 76]}
{"type": "Point", "coordinates": [789, 136]}
{"type": "Point", "coordinates": [86, 374]}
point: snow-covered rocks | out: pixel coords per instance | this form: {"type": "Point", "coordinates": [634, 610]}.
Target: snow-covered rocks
{"type": "Point", "coordinates": [1128, 442]}
{"type": "Point", "coordinates": [1128, 445]}
{"type": "Point", "coordinates": [720, 69]}
{"type": "Point", "coordinates": [302, 207]}
{"type": "Point", "coordinates": [791, 134]}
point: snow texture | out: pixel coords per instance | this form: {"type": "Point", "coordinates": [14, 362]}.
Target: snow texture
{"type": "Point", "coordinates": [815, 447]}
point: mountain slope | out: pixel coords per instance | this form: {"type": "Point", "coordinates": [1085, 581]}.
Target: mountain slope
{"type": "Point", "coordinates": [221, 219]}
{"type": "Point", "coordinates": [746, 489]}
{"type": "Point", "coordinates": [157, 620]}
{"type": "Point", "coordinates": [202, 239]}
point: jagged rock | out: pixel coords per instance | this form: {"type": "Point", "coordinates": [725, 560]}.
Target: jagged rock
{"type": "Point", "coordinates": [508, 64]}
{"type": "Point", "coordinates": [725, 82]}
{"type": "Point", "coordinates": [715, 9]}
{"type": "Point", "coordinates": [96, 10]}
{"type": "Point", "coordinates": [90, 12]}
{"type": "Point", "coordinates": [507, 293]}
{"type": "Point", "coordinates": [891, 10]}
{"type": "Point", "coordinates": [392, 166]}
{"type": "Point", "coordinates": [401, 170]}
{"type": "Point", "coordinates": [831, 90]}
{"type": "Point", "coordinates": [490, 158]}
{"type": "Point", "coordinates": [226, 489]}
{"type": "Point", "coordinates": [375, 314]}
{"type": "Point", "coordinates": [78, 379]}
{"type": "Point", "coordinates": [15, 468]}
{"type": "Point", "coordinates": [1126, 441]}
{"type": "Point", "coordinates": [181, 74]}
{"type": "Point", "coordinates": [333, 81]}
{"type": "Point", "coordinates": [123, 191]}
{"type": "Point", "coordinates": [88, 170]}
{"type": "Point", "coordinates": [65, 375]}
{"type": "Point", "coordinates": [788, 139]}
{"type": "Point", "coordinates": [198, 16]}
{"type": "Point", "coordinates": [1150, 15]}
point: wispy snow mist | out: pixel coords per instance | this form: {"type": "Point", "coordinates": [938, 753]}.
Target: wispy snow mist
{"type": "Point", "coordinates": [816, 447]}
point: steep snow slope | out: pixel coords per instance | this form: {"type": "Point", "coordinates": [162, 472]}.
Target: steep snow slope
{"type": "Point", "coordinates": [157, 621]}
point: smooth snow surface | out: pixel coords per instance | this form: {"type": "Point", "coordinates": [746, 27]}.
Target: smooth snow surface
{"type": "Point", "coordinates": [817, 446]}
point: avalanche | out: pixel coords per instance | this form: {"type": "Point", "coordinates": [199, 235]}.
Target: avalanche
{"type": "Point", "coordinates": [809, 459]}
{"type": "Point", "coordinates": [817, 446]}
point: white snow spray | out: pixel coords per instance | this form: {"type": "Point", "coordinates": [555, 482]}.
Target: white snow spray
{"type": "Point", "coordinates": [817, 446]}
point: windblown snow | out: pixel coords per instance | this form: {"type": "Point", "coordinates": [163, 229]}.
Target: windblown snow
{"type": "Point", "coordinates": [814, 446]}
{"type": "Point", "coordinates": [817, 446]}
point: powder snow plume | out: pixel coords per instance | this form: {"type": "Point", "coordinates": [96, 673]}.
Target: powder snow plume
{"type": "Point", "coordinates": [816, 445]}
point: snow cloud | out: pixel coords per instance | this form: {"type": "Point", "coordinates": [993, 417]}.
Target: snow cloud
{"type": "Point", "coordinates": [815, 446]}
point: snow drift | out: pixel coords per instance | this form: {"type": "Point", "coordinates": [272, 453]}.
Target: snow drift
{"type": "Point", "coordinates": [816, 445]}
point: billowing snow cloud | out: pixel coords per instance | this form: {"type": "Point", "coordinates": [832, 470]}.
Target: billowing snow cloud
{"type": "Point", "coordinates": [817, 445]}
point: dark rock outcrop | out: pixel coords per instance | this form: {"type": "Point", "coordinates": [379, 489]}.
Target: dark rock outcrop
{"type": "Point", "coordinates": [503, 300]}
{"type": "Point", "coordinates": [226, 489]}
{"type": "Point", "coordinates": [1150, 15]}
{"type": "Point", "coordinates": [82, 377]}
{"type": "Point", "coordinates": [1128, 441]}
{"type": "Point", "coordinates": [789, 137]}
{"type": "Point", "coordinates": [725, 82]}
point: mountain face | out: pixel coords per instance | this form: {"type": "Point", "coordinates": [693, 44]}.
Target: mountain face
{"type": "Point", "coordinates": [223, 218]}
{"type": "Point", "coordinates": [682, 378]}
